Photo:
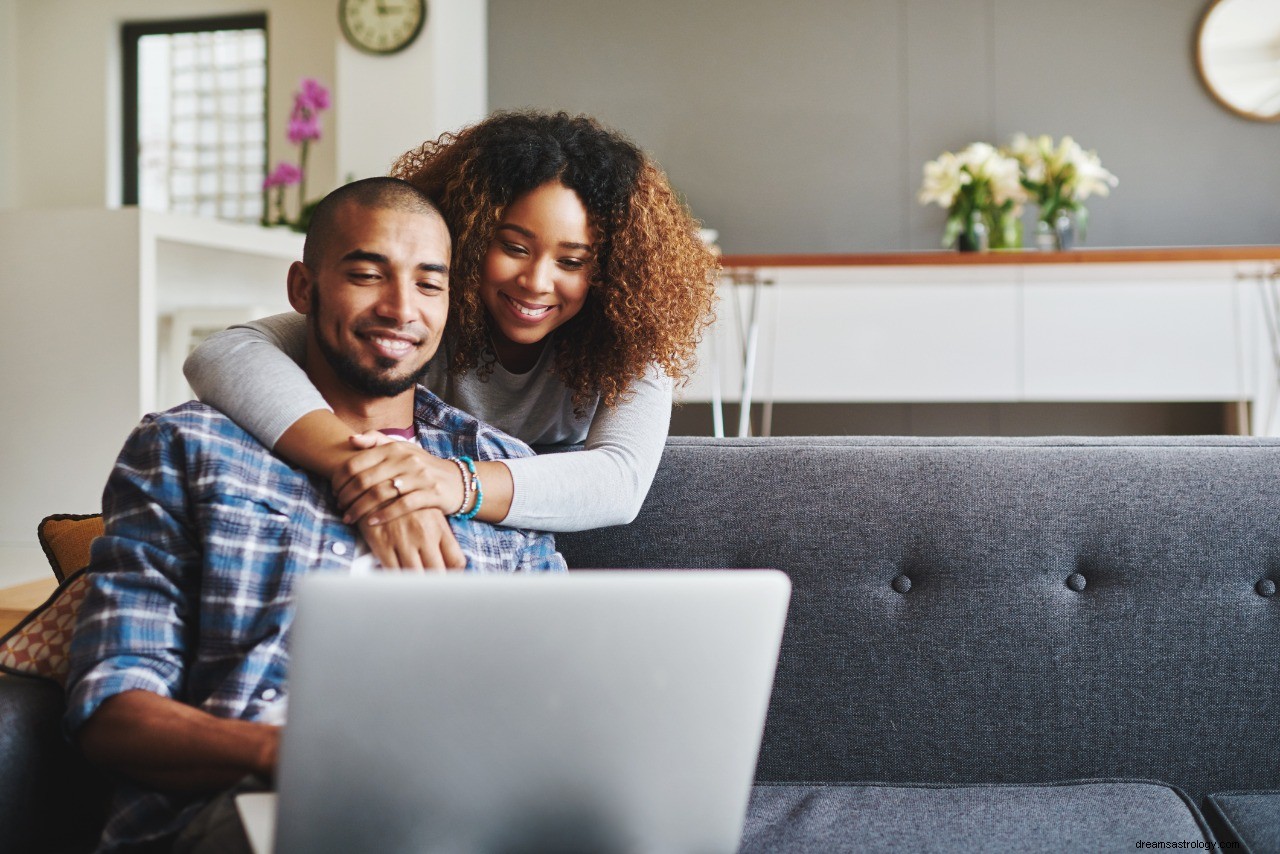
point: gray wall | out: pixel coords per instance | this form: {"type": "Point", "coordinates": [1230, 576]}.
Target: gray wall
{"type": "Point", "coordinates": [804, 126]}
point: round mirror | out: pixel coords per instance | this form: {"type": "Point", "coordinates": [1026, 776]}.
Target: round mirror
{"type": "Point", "coordinates": [1238, 56]}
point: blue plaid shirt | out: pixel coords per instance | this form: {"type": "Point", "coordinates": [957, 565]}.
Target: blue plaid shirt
{"type": "Point", "coordinates": [191, 594]}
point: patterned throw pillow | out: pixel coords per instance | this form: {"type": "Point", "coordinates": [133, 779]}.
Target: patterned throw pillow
{"type": "Point", "coordinates": [66, 538]}
{"type": "Point", "coordinates": [39, 645]}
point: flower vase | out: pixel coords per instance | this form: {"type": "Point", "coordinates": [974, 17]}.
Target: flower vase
{"type": "Point", "coordinates": [1064, 230]}
{"type": "Point", "coordinates": [1007, 233]}
{"type": "Point", "coordinates": [975, 238]}
{"type": "Point", "coordinates": [1046, 241]}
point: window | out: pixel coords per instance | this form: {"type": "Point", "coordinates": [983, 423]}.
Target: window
{"type": "Point", "coordinates": [195, 95]}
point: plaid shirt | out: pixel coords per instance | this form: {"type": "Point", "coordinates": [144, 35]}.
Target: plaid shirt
{"type": "Point", "coordinates": [191, 593]}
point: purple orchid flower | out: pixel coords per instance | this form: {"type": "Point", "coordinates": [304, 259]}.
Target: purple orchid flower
{"type": "Point", "coordinates": [313, 97]}
{"type": "Point", "coordinates": [285, 174]}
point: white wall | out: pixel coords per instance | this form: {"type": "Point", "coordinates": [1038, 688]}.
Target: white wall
{"type": "Point", "coordinates": [66, 146]}
{"type": "Point", "coordinates": [391, 104]}
{"type": "Point", "coordinates": [8, 98]}
{"type": "Point", "coordinates": [57, 304]}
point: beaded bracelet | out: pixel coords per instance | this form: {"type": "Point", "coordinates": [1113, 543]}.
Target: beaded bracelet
{"type": "Point", "coordinates": [470, 484]}
{"type": "Point", "coordinates": [466, 485]}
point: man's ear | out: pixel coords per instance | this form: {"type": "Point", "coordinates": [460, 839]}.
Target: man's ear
{"type": "Point", "coordinates": [300, 287]}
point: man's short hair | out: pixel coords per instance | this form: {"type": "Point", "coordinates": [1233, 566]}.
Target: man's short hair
{"type": "Point", "coordinates": [386, 193]}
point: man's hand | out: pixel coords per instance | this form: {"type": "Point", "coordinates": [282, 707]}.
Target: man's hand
{"type": "Point", "coordinates": [418, 540]}
{"type": "Point", "coordinates": [388, 479]}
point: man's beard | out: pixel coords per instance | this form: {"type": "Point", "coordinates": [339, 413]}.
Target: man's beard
{"type": "Point", "coordinates": [358, 377]}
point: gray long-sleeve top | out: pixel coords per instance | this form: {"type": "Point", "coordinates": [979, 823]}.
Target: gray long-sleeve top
{"type": "Point", "coordinates": [251, 372]}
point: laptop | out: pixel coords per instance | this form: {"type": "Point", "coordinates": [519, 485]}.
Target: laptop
{"type": "Point", "coordinates": [601, 711]}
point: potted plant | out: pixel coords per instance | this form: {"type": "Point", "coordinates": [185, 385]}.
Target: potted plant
{"type": "Point", "coordinates": [304, 127]}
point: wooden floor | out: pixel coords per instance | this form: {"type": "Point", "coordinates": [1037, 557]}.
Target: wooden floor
{"type": "Point", "coordinates": [17, 602]}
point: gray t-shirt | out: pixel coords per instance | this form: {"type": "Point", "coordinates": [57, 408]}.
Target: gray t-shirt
{"type": "Point", "coordinates": [251, 372]}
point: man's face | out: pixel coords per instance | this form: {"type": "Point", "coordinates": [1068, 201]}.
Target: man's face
{"type": "Point", "coordinates": [378, 302]}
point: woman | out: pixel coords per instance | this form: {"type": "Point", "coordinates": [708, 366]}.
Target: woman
{"type": "Point", "coordinates": [578, 291]}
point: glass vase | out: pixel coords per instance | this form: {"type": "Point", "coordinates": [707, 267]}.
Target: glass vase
{"type": "Point", "coordinates": [1057, 231]}
{"type": "Point", "coordinates": [976, 237]}
{"type": "Point", "coordinates": [1064, 230]}
{"type": "Point", "coordinates": [1007, 231]}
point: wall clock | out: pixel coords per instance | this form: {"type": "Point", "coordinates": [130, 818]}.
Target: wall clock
{"type": "Point", "coordinates": [382, 26]}
{"type": "Point", "coordinates": [1238, 56]}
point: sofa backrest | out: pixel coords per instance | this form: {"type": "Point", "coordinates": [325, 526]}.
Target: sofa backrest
{"type": "Point", "coordinates": [995, 610]}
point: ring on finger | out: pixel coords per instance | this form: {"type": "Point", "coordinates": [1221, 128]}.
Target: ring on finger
{"type": "Point", "coordinates": [398, 486]}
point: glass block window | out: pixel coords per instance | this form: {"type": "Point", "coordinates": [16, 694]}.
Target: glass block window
{"type": "Point", "coordinates": [195, 136]}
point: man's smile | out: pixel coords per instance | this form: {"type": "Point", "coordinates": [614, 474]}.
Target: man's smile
{"type": "Point", "coordinates": [390, 345]}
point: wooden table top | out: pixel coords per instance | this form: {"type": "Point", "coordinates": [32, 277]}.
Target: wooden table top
{"type": "Point", "coordinates": [1120, 255]}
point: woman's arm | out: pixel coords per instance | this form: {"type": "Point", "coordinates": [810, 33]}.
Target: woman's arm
{"type": "Point", "coordinates": [606, 482]}
{"type": "Point", "coordinates": [252, 373]}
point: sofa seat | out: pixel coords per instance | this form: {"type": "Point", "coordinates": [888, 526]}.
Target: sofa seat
{"type": "Point", "coordinates": [1249, 821]}
{"type": "Point", "coordinates": [1090, 815]}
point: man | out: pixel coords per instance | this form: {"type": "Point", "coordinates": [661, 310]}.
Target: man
{"type": "Point", "coordinates": [179, 657]}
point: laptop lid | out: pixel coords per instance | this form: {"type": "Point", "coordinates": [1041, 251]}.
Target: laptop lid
{"type": "Point", "coordinates": [590, 711]}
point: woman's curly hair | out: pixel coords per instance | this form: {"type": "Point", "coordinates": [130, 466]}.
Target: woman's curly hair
{"type": "Point", "coordinates": [653, 284]}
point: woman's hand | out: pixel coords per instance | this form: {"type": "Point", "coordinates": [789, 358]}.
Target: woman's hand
{"type": "Point", "coordinates": [412, 538]}
{"type": "Point", "coordinates": [388, 479]}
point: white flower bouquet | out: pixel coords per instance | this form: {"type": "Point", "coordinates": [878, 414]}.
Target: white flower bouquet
{"type": "Point", "coordinates": [983, 192]}
{"type": "Point", "coordinates": [1060, 176]}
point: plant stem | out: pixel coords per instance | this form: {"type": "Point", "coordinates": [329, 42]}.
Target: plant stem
{"type": "Point", "coordinates": [302, 179]}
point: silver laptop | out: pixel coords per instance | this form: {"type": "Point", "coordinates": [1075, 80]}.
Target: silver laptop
{"type": "Point", "coordinates": [597, 711]}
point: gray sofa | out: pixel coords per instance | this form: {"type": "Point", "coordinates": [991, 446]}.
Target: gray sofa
{"type": "Point", "coordinates": [1031, 645]}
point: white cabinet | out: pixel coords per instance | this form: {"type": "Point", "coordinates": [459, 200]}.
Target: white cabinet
{"type": "Point", "coordinates": [1133, 333]}
{"type": "Point", "coordinates": [1075, 327]}
{"type": "Point", "coordinates": [895, 336]}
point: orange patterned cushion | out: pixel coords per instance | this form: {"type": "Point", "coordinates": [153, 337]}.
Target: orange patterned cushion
{"type": "Point", "coordinates": [66, 538]}
{"type": "Point", "coordinates": [39, 645]}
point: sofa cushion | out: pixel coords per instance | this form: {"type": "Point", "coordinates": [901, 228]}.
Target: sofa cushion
{"type": "Point", "coordinates": [1087, 815]}
{"type": "Point", "coordinates": [65, 538]}
{"type": "Point", "coordinates": [40, 645]}
{"type": "Point", "coordinates": [1250, 819]}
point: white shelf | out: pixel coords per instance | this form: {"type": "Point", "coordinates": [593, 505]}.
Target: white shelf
{"type": "Point", "coordinates": [280, 243]}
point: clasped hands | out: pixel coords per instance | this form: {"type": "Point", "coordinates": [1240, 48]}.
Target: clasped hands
{"type": "Point", "coordinates": [397, 494]}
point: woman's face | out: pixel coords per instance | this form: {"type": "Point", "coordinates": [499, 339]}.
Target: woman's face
{"type": "Point", "coordinates": [537, 270]}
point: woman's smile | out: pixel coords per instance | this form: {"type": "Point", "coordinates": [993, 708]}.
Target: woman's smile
{"type": "Point", "coordinates": [527, 311]}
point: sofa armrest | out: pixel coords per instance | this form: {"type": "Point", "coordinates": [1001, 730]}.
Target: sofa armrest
{"type": "Point", "coordinates": [50, 799]}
